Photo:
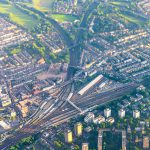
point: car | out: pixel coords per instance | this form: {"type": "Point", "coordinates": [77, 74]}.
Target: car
{"type": "Point", "coordinates": [46, 134]}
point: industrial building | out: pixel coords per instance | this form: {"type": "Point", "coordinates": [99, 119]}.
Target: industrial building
{"type": "Point", "coordinates": [89, 85]}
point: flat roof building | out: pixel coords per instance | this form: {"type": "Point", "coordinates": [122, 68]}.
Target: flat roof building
{"type": "Point", "coordinates": [99, 119]}
{"type": "Point", "coordinates": [123, 140]}
{"type": "Point", "coordinates": [13, 114]}
{"type": "Point", "coordinates": [110, 120]}
{"type": "Point", "coordinates": [78, 129]}
{"type": "Point", "coordinates": [136, 114]}
{"type": "Point", "coordinates": [107, 112]}
{"type": "Point", "coordinates": [89, 85]}
{"type": "Point", "coordinates": [121, 113]}
{"type": "Point", "coordinates": [89, 118]}
{"type": "Point", "coordinates": [145, 142]}
{"type": "Point", "coordinates": [68, 136]}
{"type": "Point", "coordinates": [100, 138]}
{"type": "Point", "coordinates": [85, 146]}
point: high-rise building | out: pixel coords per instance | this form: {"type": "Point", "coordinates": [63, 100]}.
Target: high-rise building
{"type": "Point", "coordinates": [136, 114]}
{"type": "Point", "coordinates": [89, 118]}
{"type": "Point", "coordinates": [145, 142]}
{"type": "Point", "coordinates": [129, 129]}
{"type": "Point", "coordinates": [121, 113]}
{"type": "Point", "coordinates": [99, 119]}
{"type": "Point", "coordinates": [78, 129]}
{"type": "Point", "coordinates": [68, 136]}
{"type": "Point", "coordinates": [100, 137]}
{"type": "Point", "coordinates": [85, 146]}
{"type": "Point", "coordinates": [107, 112]}
{"type": "Point", "coordinates": [13, 114]}
{"type": "Point", "coordinates": [75, 3]}
{"type": "Point", "coordinates": [123, 140]}
{"type": "Point", "coordinates": [110, 120]}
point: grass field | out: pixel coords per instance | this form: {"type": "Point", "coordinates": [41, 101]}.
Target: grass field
{"type": "Point", "coordinates": [15, 51]}
{"type": "Point", "coordinates": [40, 8]}
{"type": "Point", "coordinates": [133, 19]}
{"type": "Point", "coordinates": [18, 16]}
{"type": "Point", "coordinates": [119, 3]}
{"type": "Point", "coordinates": [126, 15]}
{"type": "Point", "coordinates": [42, 5]}
{"type": "Point", "coordinates": [63, 17]}
{"type": "Point", "coordinates": [130, 19]}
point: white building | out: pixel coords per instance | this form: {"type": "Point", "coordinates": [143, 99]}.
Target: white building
{"type": "Point", "coordinates": [121, 113]}
{"type": "Point", "coordinates": [107, 112]}
{"type": "Point", "coordinates": [5, 125]}
{"type": "Point", "coordinates": [136, 114]}
{"type": "Point", "coordinates": [5, 100]}
{"type": "Point", "coordinates": [89, 118]}
{"type": "Point", "coordinates": [85, 146]}
{"type": "Point", "coordinates": [90, 84]}
{"type": "Point", "coordinates": [110, 120]}
{"type": "Point", "coordinates": [13, 114]}
{"type": "Point", "coordinates": [99, 119]}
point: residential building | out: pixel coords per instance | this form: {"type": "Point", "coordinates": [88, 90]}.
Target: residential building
{"type": "Point", "coordinates": [89, 118]}
{"type": "Point", "coordinates": [136, 114]}
{"type": "Point", "coordinates": [100, 137]}
{"type": "Point", "coordinates": [123, 140]}
{"type": "Point", "coordinates": [110, 120]}
{"type": "Point", "coordinates": [121, 113]}
{"type": "Point", "coordinates": [85, 146]}
{"type": "Point", "coordinates": [13, 114]}
{"type": "Point", "coordinates": [107, 112]}
{"type": "Point", "coordinates": [145, 142]}
{"type": "Point", "coordinates": [68, 136]}
{"type": "Point", "coordinates": [99, 119]}
{"type": "Point", "coordinates": [78, 129]}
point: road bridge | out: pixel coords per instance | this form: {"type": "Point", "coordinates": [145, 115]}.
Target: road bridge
{"type": "Point", "coordinates": [76, 107]}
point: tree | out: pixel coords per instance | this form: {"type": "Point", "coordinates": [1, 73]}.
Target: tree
{"type": "Point", "coordinates": [13, 148]}
{"type": "Point", "coordinates": [136, 148]}
{"type": "Point", "coordinates": [52, 56]}
{"type": "Point", "coordinates": [76, 147]}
